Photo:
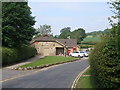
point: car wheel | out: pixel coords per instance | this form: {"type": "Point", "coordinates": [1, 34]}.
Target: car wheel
{"type": "Point", "coordinates": [79, 56]}
{"type": "Point", "coordinates": [84, 55]}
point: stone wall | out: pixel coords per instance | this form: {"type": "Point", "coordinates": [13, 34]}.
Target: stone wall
{"type": "Point", "coordinates": [47, 48]}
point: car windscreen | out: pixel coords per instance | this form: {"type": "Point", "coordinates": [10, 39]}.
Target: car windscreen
{"type": "Point", "coordinates": [75, 52]}
{"type": "Point", "coordinates": [82, 52]}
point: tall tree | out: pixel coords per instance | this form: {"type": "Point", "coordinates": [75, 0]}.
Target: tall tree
{"type": "Point", "coordinates": [65, 32]}
{"type": "Point", "coordinates": [44, 29]}
{"type": "Point", "coordinates": [115, 6]}
{"type": "Point", "coordinates": [78, 34]}
{"type": "Point", "coordinates": [116, 10]}
{"type": "Point", "coordinates": [17, 24]}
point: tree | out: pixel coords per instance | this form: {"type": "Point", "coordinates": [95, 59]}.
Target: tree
{"type": "Point", "coordinates": [56, 36]}
{"type": "Point", "coordinates": [44, 29]}
{"type": "Point", "coordinates": [116, 10]}
{"type": "Point", "coordinates": [115, 26]}
{"type": "Point", "coordinates": [17, 24]}
{"type": "Point", "coordinates": [78, 34]}
{"type": "Point", "coordinates": [66, 29]}
{"type": "Point", "coordinates": [65, 32]}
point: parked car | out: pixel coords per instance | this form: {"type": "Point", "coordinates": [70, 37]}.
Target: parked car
{"type": "Point", "coordinates": [85, 54]}
{"type": "Point", "coordinates": [76, 54]}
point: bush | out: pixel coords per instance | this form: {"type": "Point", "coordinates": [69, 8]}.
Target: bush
{"type": "Point", "coordinates": [105, 63]}
{"type": "Point", "coordinates": [11, 56]}
{"type": "Point", "coordinates": [26, 52]}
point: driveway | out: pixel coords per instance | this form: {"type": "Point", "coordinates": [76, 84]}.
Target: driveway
{"type": "Point", "coordinates": [61, 76]}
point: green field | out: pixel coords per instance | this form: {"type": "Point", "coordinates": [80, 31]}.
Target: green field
{"type": "Point", "coordinates": [48, 60]}
{"type": "Point", "coordinates": [90, 40]}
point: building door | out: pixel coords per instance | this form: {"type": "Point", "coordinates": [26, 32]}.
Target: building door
{"type": "Point", "coordinates": [59, 51]}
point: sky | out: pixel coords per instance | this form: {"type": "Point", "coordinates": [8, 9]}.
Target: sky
{"type": "Point", "coordinates": [91, 16]}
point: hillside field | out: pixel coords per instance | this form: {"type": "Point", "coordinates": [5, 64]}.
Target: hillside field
{"type": "Point", "coordinates": [90, 40]}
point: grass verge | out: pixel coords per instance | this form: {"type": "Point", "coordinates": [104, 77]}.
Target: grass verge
{"type": "Point", "coordinates": [48, 60]}
{"type": "Point", "coordinates": [86, 80]}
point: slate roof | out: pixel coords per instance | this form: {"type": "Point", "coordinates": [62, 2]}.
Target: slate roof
{"type": "Point", "coordinates": [45, 38]}
{"type": "Point", "coordinates": [67, 42]}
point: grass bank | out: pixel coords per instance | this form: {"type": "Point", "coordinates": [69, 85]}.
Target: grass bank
{"type": "Point", "coordinates": [49, 60]}
{"type": "Point", "coordinates": [86, 80]}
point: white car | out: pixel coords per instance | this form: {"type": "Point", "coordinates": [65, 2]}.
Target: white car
{"type": "Point", "coordinates": [85, 54]}
{"type": "Point", "coordinates": [76, 54]}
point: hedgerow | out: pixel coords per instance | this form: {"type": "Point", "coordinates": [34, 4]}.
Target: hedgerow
{"type": "Point", "coordinates": [11, 56]}
{"type": "Point", "coordinates": [105, 63]}
{"type": "Point", "coordinates": [26, 52]}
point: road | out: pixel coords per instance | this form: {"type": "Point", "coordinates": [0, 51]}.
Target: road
{"type": "Point", "coordinates": [61, 76]}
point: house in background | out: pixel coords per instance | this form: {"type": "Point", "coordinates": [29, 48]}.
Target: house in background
{"type": "Point", "coordinates": [48, 46]}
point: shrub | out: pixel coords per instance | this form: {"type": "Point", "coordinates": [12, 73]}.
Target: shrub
{"type": "Point", "coordinates": [26, 52]}
{"type": "Point", "coordinates": [11, 56]}
{"type": "Point", "coordinates": [105, 63]}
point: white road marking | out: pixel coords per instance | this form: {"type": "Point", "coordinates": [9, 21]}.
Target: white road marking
{"type": "Point", "coordinates": [77, 78]}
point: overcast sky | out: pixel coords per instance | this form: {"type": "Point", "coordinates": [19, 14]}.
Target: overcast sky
{"type": "Point", "coordinates": [91, 16]}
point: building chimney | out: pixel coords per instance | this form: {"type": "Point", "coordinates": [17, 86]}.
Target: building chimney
{"type": "Point", "coordinates": [68, 37]}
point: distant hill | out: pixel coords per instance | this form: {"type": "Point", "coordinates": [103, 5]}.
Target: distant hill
{"type": "Point", "coordinates": [94, 37]}
{"type": "Point", "coordinates": [98, 33]}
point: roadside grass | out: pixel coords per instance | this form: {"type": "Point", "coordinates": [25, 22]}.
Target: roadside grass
{"type": "Point", "coordinates": [48, 60]}
{"type": "Point", "coordinates": [88, 72]}
{"type": "Point", "coordinates": [86, 80]}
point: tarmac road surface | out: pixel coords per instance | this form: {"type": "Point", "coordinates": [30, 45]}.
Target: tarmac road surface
{"type": "Point", "coordinates": [61, 76]}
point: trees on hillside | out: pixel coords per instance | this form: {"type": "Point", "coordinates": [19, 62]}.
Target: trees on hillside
{"type": "Point", "coordinates": [99, 33]}
{"type": "Point", "coordinates": [17, 24]}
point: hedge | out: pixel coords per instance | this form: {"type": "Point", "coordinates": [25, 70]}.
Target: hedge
{"type": "Point", "coordinates": [26, 52]}
{"type": "Point", "coordinates": [11, 56]}
{"type": "Point", "coordinates": [105, 63]}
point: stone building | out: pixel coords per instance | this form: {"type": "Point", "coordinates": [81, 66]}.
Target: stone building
{"type": "Point", "coordinates": [48, 46]}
